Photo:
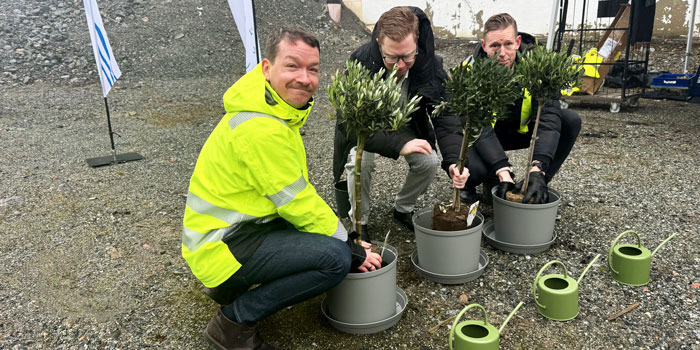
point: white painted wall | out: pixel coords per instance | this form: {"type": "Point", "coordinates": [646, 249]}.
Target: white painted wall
{"type": "Point", "coordinates": [464, 18]}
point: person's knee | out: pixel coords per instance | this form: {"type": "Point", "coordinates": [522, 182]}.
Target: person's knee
{"type": "Point", "coordinates": [421, 163]}
{"type": "Point", "coordinates": [571, 122]}
{"type": "Point", "coordinates": [477, 172]}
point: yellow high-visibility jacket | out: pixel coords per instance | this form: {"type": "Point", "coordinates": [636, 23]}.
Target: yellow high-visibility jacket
{"type": "Point", "coordinates": [251, 173]}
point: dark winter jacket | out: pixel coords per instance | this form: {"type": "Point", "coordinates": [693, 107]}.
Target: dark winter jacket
{"type": "Point", "coordinates": [425, 79]}
{"type": "Point", "coordinates": [488, 146]}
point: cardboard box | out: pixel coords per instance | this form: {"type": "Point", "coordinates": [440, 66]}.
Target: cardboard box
{"type": "Point", "coordinates": [610, 46]}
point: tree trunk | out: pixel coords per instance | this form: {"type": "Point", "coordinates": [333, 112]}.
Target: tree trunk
{"type": "Point", "coordinates": [526, 181]}
{"type": "Point", "coordinates": [357, 210]}
{"type": "Point", "coordinates": [466, 139]}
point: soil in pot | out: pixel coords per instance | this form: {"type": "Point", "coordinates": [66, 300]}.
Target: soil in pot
{"type": "Point", "coordinates": [517, 197]}
{"type": "Point", "coordinates": [445, 218]}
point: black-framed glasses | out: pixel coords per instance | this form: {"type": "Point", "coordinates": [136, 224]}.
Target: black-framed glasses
{"type": "Point", "coordinates": [390, 59]}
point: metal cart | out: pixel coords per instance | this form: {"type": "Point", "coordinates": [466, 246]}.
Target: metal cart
{"type": "Point", "coordinates": [626, 80]}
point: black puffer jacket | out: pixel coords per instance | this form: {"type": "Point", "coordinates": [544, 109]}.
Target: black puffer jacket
{"type": "Point", "coordinates": [488, 146]}
{"type": "Point", "coordinates": [425, 79]}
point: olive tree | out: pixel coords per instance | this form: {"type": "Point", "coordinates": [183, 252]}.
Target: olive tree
{"type": "Point", "coordinates": [545, 74]}
{"type": "Point", "coordinates": [480, 93]}
{"type": "Point", "coordinates": [367, 103]}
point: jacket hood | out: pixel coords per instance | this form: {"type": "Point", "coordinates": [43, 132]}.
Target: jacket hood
{"type": "Point", "coordinates": [253, 93]}
{"type": "Point", "coordinates": [426, 73]}
{"type": "Point", "coordinates": [527, 43]}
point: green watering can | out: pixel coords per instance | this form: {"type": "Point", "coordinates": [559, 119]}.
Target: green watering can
{"type": "Point", "coordinates": [477, 334]}
{"type": "Point", "coordinates": [631, 263]}
{"type": "Point", "coordinates": [556, 295]}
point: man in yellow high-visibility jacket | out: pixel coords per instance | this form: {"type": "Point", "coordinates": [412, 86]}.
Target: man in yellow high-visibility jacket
{"type": "Point", "coordinates": [252, 217]}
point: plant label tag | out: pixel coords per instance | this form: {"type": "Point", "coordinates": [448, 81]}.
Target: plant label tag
{"type": "Point", "coordinates": [472, 213]}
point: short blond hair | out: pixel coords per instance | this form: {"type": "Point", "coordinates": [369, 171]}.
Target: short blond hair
{"type": "Point", "coordinates": [500, 21]}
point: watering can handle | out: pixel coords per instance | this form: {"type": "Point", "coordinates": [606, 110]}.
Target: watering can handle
{"type": "Point", "coordinates": [537, 278]}
{"type": "Point", "coordinates": [459, 315]}
{"type": "Point", "coordinates": [663, 243]}
{"type": "Point", "coordinates": [612, 247]}
{"type": "Point", "coordinates": [510, 315]}
{"type": "Point", "coordinates": [586, 269]}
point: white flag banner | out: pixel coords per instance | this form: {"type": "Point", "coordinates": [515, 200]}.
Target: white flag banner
{"type": "Point", "coordinates": [244, 16]}
{"type": "Point", "coordinates": [106, 63]}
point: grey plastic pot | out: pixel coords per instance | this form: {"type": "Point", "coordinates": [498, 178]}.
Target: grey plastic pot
{"type": "Point", "coordinates": [342, 199]}
{"type": "Point", "coordinates": [447, 252]}
{"type": "Point", "coordinates": [525, 224]}
{"type": "Point", "coordinates": [366, 297]}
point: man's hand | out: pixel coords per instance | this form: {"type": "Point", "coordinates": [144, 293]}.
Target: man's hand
{"type": "Point", "coordinates": [503, 187]}
{"type": "Point", "coordinates": [536, 188]}
{"type": "Point", "coordinates": [505, 184]}
{"type": "Point", "coordinates": [373, 260]}
{"type": "Point", "coordinates": [458, 180]}
{"type": "Point", "coordinates": [416, 146]}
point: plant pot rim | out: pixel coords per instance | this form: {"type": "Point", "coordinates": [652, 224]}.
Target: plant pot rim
{"type": "Point", "coordinates": [430, 231]}
{"type": "Point", "coordinates": [528, 206]}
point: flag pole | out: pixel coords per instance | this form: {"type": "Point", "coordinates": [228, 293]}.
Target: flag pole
{"type": "Point", "coordinates": [114, 158]}
{"type": "Point", "coordinates": [255, 32]}
{"type": "Point", "coordinates": [111, 133]}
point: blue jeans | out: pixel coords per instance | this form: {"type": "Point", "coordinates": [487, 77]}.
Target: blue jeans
{"type": "Point", "coordinates": [291, 267]}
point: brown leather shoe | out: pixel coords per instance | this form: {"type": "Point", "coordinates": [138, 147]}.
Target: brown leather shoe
{"type": "Point", "coordinates": [224, 334]}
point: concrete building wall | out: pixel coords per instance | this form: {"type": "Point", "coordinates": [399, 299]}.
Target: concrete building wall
{"type": "Point", "coordinates": [465, 18]}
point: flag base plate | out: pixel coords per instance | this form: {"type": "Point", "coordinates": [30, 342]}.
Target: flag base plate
{"type": "Point", "coordinates": [109, 160]}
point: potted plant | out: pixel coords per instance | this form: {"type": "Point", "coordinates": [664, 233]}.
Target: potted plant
{"type": "Point", "coordinates": [367, 103]}
{"type": "Point", "coordinates": [479, 94]}
{"type": "Point", "coordinates": [544, 74]}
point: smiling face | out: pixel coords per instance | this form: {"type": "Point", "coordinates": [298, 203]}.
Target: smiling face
{"type": "Point", "coordinates": [293, 73]}
{"type": "Point", "coordinates": [405, 48]}
{"type": "Point", "coordinates": [505, 42]}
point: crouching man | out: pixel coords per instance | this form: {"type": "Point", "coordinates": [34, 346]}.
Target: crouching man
{"type": "Point", "coordinates": [252, 217]}
{"type": "Point", "coordinates": [556, 135]}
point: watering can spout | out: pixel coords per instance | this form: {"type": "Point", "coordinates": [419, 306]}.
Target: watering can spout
{"type": "Point", "coordinates": [663, 243]}
{"type": "Point", "coordinates": [586, 269]}
{"type": "Point", "coordinates": [512, 313]}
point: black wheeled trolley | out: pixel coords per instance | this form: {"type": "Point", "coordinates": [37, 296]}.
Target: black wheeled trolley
{"type": "Point", "coordinates": [613, 47]}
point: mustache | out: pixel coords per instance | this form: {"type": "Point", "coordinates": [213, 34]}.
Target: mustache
{"type": "Point", "coordinates": [307, 88]}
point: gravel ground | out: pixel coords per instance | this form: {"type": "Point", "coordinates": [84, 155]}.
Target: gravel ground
{"type": "Point", "coordinates": [91, 256]}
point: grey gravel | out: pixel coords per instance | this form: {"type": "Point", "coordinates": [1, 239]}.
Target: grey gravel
{"type": "Point", "coordinates": [91, 257]}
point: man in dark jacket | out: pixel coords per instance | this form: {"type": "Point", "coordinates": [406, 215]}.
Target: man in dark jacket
{"type": "Point", "coordinates": [556, 134]}
{"type": "Point", "coordinates": [403, 38]}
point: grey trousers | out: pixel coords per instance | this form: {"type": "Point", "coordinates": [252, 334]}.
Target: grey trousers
{"type": "Point", "coordinates": [421, 172]}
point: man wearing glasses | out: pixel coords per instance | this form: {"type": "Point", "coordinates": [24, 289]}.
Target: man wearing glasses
{"type": "Point", "coordinates": [403, 38]}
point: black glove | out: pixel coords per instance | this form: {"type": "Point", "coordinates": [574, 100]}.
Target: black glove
{"type": "Point", "coordinates": [358, 252]}
{"type": "Point", "coordinates": [502, 188]}
{"type": "Point", "coordinates": [536, 188]}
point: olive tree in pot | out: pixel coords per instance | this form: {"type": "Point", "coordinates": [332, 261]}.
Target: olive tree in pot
{"type": "Point", "coordinates": [367, 103]}
{"type": "Point", "coordinates": [544, 74]}
{"type": "Point", "coordinates": [446, 244]}
{"type": "Point", "coordinates": [479, 94]}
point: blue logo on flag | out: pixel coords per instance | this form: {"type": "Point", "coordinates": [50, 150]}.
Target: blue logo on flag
{"type": "Point", "coordinates": [104, 65]}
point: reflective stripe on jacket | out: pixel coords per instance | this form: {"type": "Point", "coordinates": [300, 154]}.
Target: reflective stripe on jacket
{"type": "Point", "coordinates": [250, 173]}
